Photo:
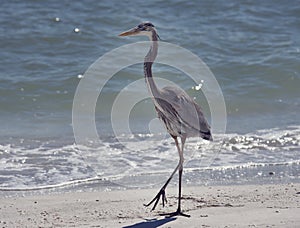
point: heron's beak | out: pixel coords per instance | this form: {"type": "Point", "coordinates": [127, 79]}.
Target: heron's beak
{"type": "Point", "coordinates": [130, 32]}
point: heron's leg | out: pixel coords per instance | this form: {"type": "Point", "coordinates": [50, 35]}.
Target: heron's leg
{"type": "Point", "coordinates": [181, 159]}
{"type": "Point", "coordinates": [162, 190]}
{"type": "Point", "coordinates": [179, 212]}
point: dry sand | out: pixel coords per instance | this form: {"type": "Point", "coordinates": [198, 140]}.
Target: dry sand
{"type": "Point", "coordinates": [217, 206]}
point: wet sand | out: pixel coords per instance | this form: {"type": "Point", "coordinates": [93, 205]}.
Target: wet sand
{"type": "Point", "coordinates": [216, 206]}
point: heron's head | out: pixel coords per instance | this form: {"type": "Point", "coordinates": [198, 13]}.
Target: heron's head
{"type": "Point", "coordinates": [143, 29]}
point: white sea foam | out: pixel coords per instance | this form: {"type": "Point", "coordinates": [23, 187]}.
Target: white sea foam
{"type": "Point", "coordinates": [144, 158]}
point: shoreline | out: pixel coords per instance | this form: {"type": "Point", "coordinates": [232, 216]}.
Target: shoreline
{"type": "Point", "coordinates": [276, 205]}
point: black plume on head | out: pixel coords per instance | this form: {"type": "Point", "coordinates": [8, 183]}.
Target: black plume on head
{"type": "Point", "coordinates": [145, 24]}
{"type": "Point", "coordinates": [148, 24]}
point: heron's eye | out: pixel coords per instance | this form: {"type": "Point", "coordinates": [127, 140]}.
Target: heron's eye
{"type": "Point", "coordinates": [140, 26]}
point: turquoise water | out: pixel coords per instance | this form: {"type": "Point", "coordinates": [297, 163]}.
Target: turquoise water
{"type": "Point", "coordinates": [252, 48]}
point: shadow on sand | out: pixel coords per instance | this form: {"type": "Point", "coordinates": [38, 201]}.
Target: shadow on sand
{"type": "Point", "coordinates": [152, 223]}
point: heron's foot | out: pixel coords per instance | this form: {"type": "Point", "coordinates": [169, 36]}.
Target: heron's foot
{"type": "Point", "coordinates": [155, 200]}
{"type": "Point", "coordinates": [176, 213]}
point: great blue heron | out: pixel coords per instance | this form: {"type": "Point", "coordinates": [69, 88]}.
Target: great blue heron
{"type": "Point", "coordinates": [181, 115]}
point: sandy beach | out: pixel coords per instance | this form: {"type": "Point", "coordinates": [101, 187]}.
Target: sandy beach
{"type": "Point", "coordinates": [216, 206]}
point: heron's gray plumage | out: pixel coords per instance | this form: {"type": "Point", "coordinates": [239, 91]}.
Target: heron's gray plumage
{"type": "Point", "coordinates": [181, 115]}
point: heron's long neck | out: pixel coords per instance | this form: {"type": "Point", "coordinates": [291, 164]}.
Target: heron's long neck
{"type": "Point", "coordinates": [149, 59]}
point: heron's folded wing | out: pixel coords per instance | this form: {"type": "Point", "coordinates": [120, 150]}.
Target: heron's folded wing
{"type": "Point", "coordinates": [178, 105]}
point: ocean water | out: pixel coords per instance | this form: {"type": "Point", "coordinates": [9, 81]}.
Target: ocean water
{"type": "Point", "coordinates": [252, 48]}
